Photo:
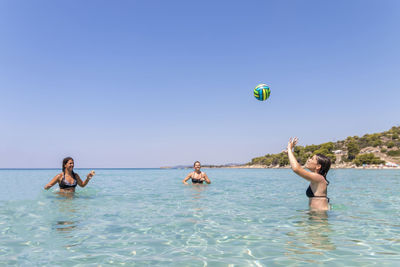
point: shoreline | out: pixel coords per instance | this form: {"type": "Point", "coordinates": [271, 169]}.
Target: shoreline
{"type": "Point", "coordinates": [370, 167]}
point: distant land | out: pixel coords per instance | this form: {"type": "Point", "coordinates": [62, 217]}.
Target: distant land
{"type": "Point", "coordinates": [203, 166]}
{"type": "Point", "coordinates": [377, 150]}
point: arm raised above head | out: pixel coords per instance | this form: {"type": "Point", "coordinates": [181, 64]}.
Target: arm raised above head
{"type": "Point", "coordinates": [296, 167]}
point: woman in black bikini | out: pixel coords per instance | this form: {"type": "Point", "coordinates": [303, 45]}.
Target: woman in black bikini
{"type": "Point", "coordinates": [319, 166]}
{"type": "Point", "coordinates": [198, 177]}
{"type": "Point", "coordinates": [68, 179]}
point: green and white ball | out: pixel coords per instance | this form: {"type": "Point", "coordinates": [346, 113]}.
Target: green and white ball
{"type": "Point", "coordinates": [262, 92]}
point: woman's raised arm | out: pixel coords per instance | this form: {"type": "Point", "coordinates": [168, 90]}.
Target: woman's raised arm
{"type": "Point", "coordinates": [296, 167]}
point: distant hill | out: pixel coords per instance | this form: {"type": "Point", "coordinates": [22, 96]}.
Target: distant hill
{"type": "Point", "coordinates": [370, 149]}
{"type": "Point", "coordinates": [176, 167]}
{"type": "Point", "coordinates": [203, 166]}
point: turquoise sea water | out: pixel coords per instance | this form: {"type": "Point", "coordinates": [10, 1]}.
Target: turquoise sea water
{"type": "Point", "coordinates": [246, 217]}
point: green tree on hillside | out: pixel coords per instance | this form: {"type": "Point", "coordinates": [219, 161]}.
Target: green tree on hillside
{"type": "Point", "coordinates": [352, 144]}
{"type": "Point", "coordinates": [352, 150]}
{"type": "Point", "coordinates": [311, 148]}
{"type": "Point", "coordinates": [373, 140]}
{"type": "Point", "coordinates": [394, 153]}
{"type": "Point", "coordinates": [367, 159]}
{"type": "Point", "coordinates": [283, 160]}
{"type": "Point", "coordinates": [390, 144]}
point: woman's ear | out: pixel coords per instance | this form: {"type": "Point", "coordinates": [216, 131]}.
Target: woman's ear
{"type": "Point", "coordinates": [318, 167]}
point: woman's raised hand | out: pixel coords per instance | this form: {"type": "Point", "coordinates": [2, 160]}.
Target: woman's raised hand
{"type": "Point", "coordinates": [292, 143]}
{"type": "Point", "coordinates": [91, 174]}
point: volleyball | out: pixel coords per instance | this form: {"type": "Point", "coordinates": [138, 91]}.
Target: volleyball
{"type": "Point", "coordinates": [262, 92]}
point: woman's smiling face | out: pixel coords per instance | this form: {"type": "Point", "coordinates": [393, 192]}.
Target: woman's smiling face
{"type": "Point", "coordinates": [69, 165]}
{"type": "Point", "coordinates": [197, 166]}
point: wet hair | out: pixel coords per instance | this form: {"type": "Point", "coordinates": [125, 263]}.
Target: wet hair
{"type": "Point", "coordinates": [65, 161]}
{"type": "Point", "coordinates": [325, 163]}
{"type": "Point", "coordinates": [194, 164]}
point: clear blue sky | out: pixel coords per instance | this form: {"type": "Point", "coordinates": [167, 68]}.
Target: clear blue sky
{"type": "Point", "coordinates": [156, 83]}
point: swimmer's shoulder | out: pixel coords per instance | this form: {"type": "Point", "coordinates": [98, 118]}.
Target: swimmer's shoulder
{"type": "Point", "coordinates": [59, 176]}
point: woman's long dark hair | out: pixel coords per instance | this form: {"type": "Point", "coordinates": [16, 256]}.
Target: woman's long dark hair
{"type": "Point", "coordinates": [325, 163]}
{"type": "Point", "coordinates": [65, 161]}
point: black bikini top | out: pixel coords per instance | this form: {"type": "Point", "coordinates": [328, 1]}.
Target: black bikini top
{"type": "Point", "coordinates": [310, 193]}
{"type": "Point", "coordinates": [65, 185]}
{"type": "Point", "coordinates": [197, 180]}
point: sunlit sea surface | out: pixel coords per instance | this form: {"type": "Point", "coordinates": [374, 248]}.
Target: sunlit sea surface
{"type": "Point", "coordinates": [246, 217]}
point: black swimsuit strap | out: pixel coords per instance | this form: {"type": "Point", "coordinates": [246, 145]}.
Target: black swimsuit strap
{"type": "Point", "coordinates": [310, 193]}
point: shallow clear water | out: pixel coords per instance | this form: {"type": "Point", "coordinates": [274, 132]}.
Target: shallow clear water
{"type": "Point", "coordinates": [244, 218]}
